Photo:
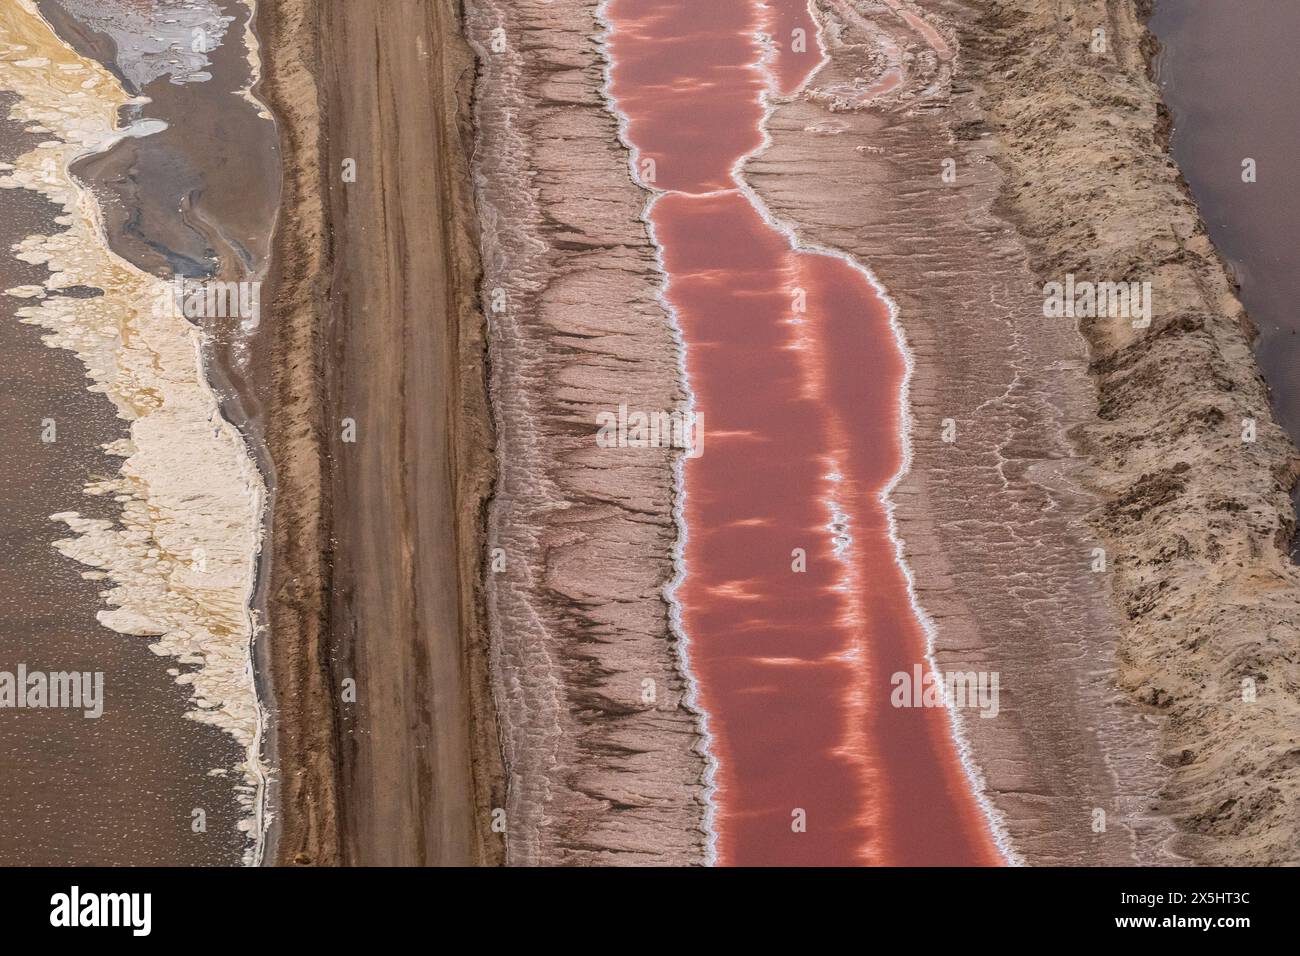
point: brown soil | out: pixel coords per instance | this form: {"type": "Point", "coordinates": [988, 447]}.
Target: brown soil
{"type": "Point", "coordinates": [377, 543]}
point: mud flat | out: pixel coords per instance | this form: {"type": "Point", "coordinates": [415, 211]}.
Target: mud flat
{"type": "Point", "coordinates": [380, 439]}
{"type": "Point", "coordinates": [599, 742]}
{"type": "Point", "coordinates": [1122, 688]}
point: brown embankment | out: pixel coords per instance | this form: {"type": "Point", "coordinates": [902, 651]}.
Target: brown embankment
{"type": "Point", "coordinates": [380, 439]}
{"type": "Point", "coordinates": [1197, 511]}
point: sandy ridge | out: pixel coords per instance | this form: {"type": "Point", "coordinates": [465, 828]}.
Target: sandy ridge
{"type": "Point", "coordinates": [1198, 519]}
{"type": "Point", "coordinates": [307, 811]}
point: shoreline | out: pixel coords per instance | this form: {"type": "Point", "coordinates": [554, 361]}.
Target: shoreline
{"type": "Point", "coordinates": [1198, 521]}
{"type": "Point", "coordinates": [772, 92]}
{"type": "Point", "coordinates": [141, 229]}
{"type": "Point", "coordinates": [1022, 394]}
{"type": "Point", "coordinates": [466, 628]}
{"type": "Point", "coordinates": [676, 625]}
{"type": "Point", "coordinates": [305, 829]}
{"type": "Point", "coordinates": [970, 768]}
{"type": "Point", "coordinates": [581, 628]}
{"type": "Point", "coordinates": [180, 553]}
{"type": "Point", "coordinates": [982, 512]}
{"type": "Point", "coordinates": [1205, 83]}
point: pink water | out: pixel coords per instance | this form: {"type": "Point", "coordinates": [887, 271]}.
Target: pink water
{"type": "Point", "coordinates": [798, 374]}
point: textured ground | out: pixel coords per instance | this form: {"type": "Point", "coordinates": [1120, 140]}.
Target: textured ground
{"type": "Point", "coordinates": [1122, 689]}
{"type": "Point", "coordinates": [598, 772]}
{"type": "Point", "coordinates": [1197, 519]}
{"type": "Point", "coordinates": [378, 539]}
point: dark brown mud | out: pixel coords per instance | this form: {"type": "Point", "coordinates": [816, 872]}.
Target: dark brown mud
{"type": "Point", "coordinates": [120, 789]}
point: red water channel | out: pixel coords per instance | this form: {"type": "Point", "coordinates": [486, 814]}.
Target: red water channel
{"type": "Point", "coordinates": [802, 434]}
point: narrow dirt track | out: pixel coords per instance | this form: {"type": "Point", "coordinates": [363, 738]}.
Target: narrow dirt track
{"type": "Point", "coordinates": [398, 352]}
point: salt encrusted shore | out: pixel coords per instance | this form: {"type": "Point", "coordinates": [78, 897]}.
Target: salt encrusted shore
{"type": "Point", "coordinates": [601, 748]}
{"type": "Point", "coordinates": [1124, 685]}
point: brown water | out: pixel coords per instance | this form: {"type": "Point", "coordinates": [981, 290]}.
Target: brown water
{"type": "Point", "coordinates": [119, 789]}
{"type": "Point", "coordinates": [194, 199]}
{"type": "Point", "coordinates": [1228, 74]}
{"type": "Point", "coordinates": [797, 372]}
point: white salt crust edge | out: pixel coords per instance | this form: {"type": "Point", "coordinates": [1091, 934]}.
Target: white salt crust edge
{"type": "Point", "coordinates": [225, 693]}
{"type": "Point", "coordinates": [769, 101]}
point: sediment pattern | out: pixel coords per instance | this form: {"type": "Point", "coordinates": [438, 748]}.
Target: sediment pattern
{"type": "Point", "coordinates": [308, 798]}
{"type": "Point", "coordinates": [600, 771]}
{"type": "Point", "coordinates": [179, 562]}
{"type": "Point", "coordinates": [993, 521]}
{"type": "Point", "coordinates": [794, 361]}
{"type": "Point", "coordinates": [1198, 519]}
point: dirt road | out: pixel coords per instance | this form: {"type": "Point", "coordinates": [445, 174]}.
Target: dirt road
{"type": "Point", "coordinates": [383, 452]}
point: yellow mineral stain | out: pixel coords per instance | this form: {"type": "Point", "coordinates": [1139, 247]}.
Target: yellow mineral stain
{"type": "Point", "coordinates": [180, 563]}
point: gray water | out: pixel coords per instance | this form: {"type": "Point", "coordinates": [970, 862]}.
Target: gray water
{"type": "Point", "coordinates": [1228, 71]}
